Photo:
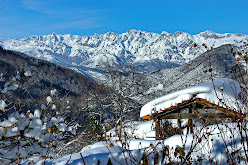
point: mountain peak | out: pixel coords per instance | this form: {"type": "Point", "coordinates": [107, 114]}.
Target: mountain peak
{"type": "Point", "coordinates": [110, 33]}
{"type": "Point", "coordinates": [54, 34]}
{"type": "Point", "coordinates": [165, 33]}
{"type": "Point", "coordinates": [134, 31]}
{"type": "Point", "coordinates": [209, 32]}
{"type": "Point", "coordinates": [148, 51]}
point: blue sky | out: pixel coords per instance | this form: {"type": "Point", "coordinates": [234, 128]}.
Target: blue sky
{"type": "Point", "coordinates": [22, 18]}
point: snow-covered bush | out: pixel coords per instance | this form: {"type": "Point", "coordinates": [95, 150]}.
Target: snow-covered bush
{"type": "Point", "coordinates": [31, 134]}
{"type": "Point", "coordinates": [27, 135]}
{"type": "Point", "coordinates": [123, 82]}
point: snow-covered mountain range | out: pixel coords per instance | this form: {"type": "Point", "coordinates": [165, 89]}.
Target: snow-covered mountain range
{"type": "Point", "coordinates": [146, 51]}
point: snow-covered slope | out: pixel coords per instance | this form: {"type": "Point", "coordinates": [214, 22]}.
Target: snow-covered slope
{"type": "Point", "coordinates": [194, 72]}
{"type": "Point", "coordinates": [147, 51]}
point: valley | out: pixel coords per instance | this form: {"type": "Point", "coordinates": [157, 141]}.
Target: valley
{"type": "Point", "coordinates": [147, 52]}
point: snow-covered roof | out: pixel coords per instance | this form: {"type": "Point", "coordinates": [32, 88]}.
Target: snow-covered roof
{"type": "Point", "coordinates": [223, 92]}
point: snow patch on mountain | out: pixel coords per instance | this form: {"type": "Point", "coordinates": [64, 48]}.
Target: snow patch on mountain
{"type": "Point", "coordinates": [146, 51]}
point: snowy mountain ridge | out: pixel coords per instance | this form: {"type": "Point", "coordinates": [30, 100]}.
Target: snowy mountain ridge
{"type": "Point", "coordinates": [146, 51]}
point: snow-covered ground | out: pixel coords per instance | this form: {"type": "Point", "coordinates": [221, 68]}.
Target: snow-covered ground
{"type": "Point", "coordinates": [205, 146]}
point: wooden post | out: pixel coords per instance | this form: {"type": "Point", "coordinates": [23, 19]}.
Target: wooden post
{"type": "Point", "coordinates": [179, 123]}
{"type": "Point", "coordinates": [144, 159]}
{"type": "Point", "coordinates": [156, 160]}
{"type": "Point", "coordinates": [157, 127]}
{"type": "Point", "coordinates": [109, 162]}
{"type": "Point", "coordinates": [190, 123]}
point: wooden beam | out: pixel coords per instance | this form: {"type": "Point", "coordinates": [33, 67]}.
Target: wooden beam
{"type": "Point", "coordinates": [210, 105]}
{"type": "Point", "coordinates": [192, 116]}
{"type": "Point", "coordinates": [172, 113]}
{"type": "Point", "coordinates": [177, 108]}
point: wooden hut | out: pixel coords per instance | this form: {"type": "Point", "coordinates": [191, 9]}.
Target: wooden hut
{"type": "Point", "coordinates": [221, 98]}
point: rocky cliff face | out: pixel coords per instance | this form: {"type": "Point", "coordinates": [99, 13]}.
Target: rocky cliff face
{"type": "Point", "coordinates": [146, 51]}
